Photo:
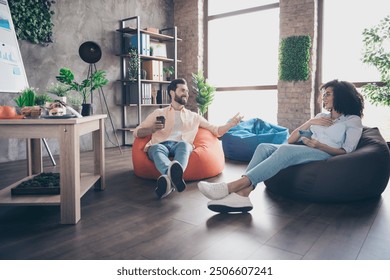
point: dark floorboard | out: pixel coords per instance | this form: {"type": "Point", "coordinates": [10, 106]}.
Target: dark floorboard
{"type": "Point", "coordinates": [126, 221]}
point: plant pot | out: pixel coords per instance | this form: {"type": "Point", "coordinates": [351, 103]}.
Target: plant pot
{"type": "Point", "coordinates": [86, 109]}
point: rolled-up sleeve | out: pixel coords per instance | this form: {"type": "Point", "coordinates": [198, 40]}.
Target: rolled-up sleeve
{"type": "Point", "coordinates": [353, 133]}
{"type": "Point", "coordinates": [148, 122]}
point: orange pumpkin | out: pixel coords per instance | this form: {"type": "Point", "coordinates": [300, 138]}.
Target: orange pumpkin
{"type": "Point", "coordinates": [9, 112]}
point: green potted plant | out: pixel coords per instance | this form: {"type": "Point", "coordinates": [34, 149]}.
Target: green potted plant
{"type": "Point", "coordinates": [132, 70]}
{"type": "Point", "coordinates": [59, 90]}
{"type": "Point", "coordinates": [42, 98]}
{"type": "Point", "coordinates": [204, 92]}
{"type": "Point", "coordinates": [75, 101]}
{"type": "Point", "coordinates": [85, 88]}
{"type": "Point", "coordinates": [26, 102]}
{"type": "Point", "coordinates": [376, 53]}
{"type": "Point", "coordinates": [169, 72]}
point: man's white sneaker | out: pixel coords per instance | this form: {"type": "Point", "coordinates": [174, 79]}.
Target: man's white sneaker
{"type": "Point", "coordinates": [231, 203]}
{"type": "Point", "coordinates": [164, 187]}
{"type": "Point", "coordinates": [213, 191]}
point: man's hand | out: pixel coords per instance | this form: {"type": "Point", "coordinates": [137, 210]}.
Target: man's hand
{"type": "Point", "coordinates": [158, 125]}
{"type": "Point", "coordinates": [235, 120]}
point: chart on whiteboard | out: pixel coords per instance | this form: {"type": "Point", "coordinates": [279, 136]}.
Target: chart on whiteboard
{"type": "Point", "coordinates": [12, 74]}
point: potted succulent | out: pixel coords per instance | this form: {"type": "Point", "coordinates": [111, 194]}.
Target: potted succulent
{"type": "Point", "coordinates": [169, 72]}
{"type": "Point", "coordinates": [204, 92]}
{"type": "Point", "coordinates": [42, 98]}
{"type": "Point", "coordinates": [85, 88]}
{"type": "Point", "coordinates": [59, 90]}
{"type": "Point", "coordinates": [26, 102]}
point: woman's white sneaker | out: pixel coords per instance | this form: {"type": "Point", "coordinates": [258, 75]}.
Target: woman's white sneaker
{"type": "Point", "coordinates": [213, 191]}
{"type": "Point", "coordinates": [231, 203]}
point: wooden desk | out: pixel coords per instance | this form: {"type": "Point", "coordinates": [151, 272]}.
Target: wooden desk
{"type": "Point", "coordinates": [73, 184]}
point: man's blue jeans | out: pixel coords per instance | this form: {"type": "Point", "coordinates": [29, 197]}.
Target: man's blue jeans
{"type": "Point", "coordinates": [160, 153]}
{"type": "Point", "coordinates": [269, 159]}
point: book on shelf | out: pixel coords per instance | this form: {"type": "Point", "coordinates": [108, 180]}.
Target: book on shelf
{"type": "Point", "coordinates": [162, 97]}
{"type": "Point", "coordinates": [131, 94]}
{"type": "Point", "coordinates": [146, 93]}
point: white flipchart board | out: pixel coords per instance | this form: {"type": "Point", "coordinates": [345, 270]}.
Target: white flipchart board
{"type": "Point", "coordinates": [12, 73]}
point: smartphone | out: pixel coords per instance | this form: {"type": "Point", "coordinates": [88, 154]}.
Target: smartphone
{"type": "Point", "coordinates": [161, 119]}
{"type": "Point", "coordinates": [305, 133]}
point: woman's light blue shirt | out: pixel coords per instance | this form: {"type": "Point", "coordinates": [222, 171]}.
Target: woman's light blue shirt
{"type": "Point", "coordinates": [345, 132]}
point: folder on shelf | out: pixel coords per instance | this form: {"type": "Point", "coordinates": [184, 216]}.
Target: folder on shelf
{"type": "Point", "coordinates": [144, 43]}
{"type": "Point", "coordinates": [153, 69]}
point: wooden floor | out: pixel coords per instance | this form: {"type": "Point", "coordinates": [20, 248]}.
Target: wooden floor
{"type": "Point", "coordinates": [126, 221]}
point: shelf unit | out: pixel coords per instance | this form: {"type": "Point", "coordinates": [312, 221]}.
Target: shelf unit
{"type": "Point", "coordinates": [132, 27]}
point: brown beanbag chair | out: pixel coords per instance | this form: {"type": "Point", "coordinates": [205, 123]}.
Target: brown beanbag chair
{"type": "Point", "coordinates": [362, 174]}
{"type": "Point", "coordinates": [206, 160]}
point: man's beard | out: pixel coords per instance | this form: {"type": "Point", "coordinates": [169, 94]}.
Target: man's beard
{"type": "Point", "coordinates": [181, 100]}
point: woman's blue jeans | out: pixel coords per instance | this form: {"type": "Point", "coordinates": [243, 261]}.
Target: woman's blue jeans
{"type": "Point", "coordinates": [160, 153]}
{"type": "Point", "coordinates": [269, 159]}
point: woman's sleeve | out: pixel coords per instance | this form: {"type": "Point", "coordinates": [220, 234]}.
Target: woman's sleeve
{"type": "Point", "coordinates": [353, 133]}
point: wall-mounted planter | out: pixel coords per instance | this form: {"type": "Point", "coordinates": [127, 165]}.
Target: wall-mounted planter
{"type": "Point", "coordinates": [294, 57]}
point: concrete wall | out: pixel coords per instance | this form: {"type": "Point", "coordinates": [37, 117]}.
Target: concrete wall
{"type": "Point", "coordinates": [75, 22]}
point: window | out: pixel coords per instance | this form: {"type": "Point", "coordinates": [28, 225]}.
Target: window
{"type": "Point", "coordinates": [344, 22]}
{"type": "Point", "coordinates": [242, 51]}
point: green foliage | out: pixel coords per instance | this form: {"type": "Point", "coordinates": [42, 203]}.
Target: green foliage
{"type": "Point", "coordinates": [87, 86]}
{"type": "Point", "coordinates": [26, 97]}
{"type": "Point", "coordinates": [32, 20]}
{"type": "Point", "coordinates": [294, 56]}
{"type": "Point", "coordinates": [376, 52]}
{"type": "Point", "coordinates": [132, 70]}
{"type": "Point", "coordinates": [42, 98]}
{"type": "Point", "coordinates": [204, 92]}
{"type": "Point", "coordinates": [169, 70]}
{"type": "Point", "coordinates": [58, 89]}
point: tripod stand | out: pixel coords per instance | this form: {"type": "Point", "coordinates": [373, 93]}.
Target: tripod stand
{"type": "Point", "coordinates": [91, 70]}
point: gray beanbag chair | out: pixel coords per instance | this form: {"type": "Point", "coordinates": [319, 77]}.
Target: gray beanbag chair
{"type": "Point", "coordinates": [361, 174]}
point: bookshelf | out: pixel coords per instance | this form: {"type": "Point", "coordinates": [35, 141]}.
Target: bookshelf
{"type": "Point", "coordinates": [146, 85]}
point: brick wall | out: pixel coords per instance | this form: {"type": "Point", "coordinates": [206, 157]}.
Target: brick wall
{"type": "Point", "coordinates": [296, 100]}
{"type": "Point", "coordinates": [188, 18]}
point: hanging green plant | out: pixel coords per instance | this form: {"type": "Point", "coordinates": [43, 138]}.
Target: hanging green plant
{"type": "Point", "coordinates": [32, 20]}
{"type": "Point", "coordinates": [294, 56]}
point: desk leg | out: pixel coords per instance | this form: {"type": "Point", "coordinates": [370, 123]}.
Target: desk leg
{"type": "Point", "coordinates": [70, 174]}
{"type": "Point", "coordinates": [34, 156]}
{"type": "Point", "coordinates": [98, 147]}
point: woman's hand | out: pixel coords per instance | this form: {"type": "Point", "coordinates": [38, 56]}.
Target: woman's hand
{"type": "Point", "coordinates": [321, 121]}
{"type": "Point", "coordinates": [311, 142]}
{"type": "Point", "coordinates": [323, 147]}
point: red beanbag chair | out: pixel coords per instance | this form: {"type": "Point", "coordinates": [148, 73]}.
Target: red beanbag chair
{"type": "Point", "coordinates": [206, 160]}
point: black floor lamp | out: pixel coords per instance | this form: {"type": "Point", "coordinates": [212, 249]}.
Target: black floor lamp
{"type": "Point", "coordinates": [91, 53]}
